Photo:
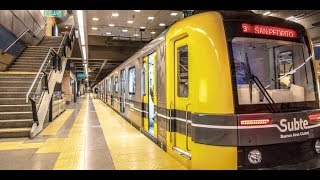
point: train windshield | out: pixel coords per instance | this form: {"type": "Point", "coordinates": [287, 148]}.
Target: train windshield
{"type": "Point", "coordinates": [274, 71]}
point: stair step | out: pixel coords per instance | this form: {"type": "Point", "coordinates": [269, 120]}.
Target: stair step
{"type": "Point", "coordinates": [16, 123]}
{"type": "Point", "coordinates": [15, 115]}
{"type": "Point", "coordinates": [16, 108]}
{"type": "Point", "coordinates": [14, 132]}
{"type": "Point", "coordinates": [28, 66]}
{"type": "Point", "coordinates": [28, 63]}
{"type": "Point", "coordinates": [16, 89]}
{"type": "Point", "coordinates": [17, 83]}
{"type": "Point", "coordinates": [29, 69]}
{"type": "Point", "coordinates": [9, 101]}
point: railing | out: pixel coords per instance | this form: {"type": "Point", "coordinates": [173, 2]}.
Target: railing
{"type": "Point", "coordinates": [27, 30]}
{"type": "Point", "coordinates": [54, 58]}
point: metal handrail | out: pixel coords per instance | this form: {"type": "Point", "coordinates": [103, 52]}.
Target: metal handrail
{"type": "Point", "coordinates": [22, 23]}
{"type": "Point", "coordinates": [27, 30]}
{"type": "Point", "coordinates": [34, 20]}
{"type": "Point", "coordinates": [39, 71]}
{"type": "Point", "coordinates": [44, 25]}
{"type": "Point", "coordinates": [42, 65]}
{"type": "Point", "coordinates": [63, 39]}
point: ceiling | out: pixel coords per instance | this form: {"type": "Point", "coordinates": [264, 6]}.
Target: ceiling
{"type": "Point", "coordinates": [109, 46]}
{"type": "Point", "coordinates": [114, 36]}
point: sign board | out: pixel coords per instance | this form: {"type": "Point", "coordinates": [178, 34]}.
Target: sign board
{"type": "Point", "coordinates": [81, 76]}
{"type": "Point", "coordinates": [53, 13]}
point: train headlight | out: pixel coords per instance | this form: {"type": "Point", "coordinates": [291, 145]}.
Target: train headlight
{"type": "Point", "coordinates": [255, 156]}
{"type": "Point", "coordinates": [317, 146]}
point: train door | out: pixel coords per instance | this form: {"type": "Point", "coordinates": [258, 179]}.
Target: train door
{"type": "Point", "coordinates": [181, 104]}
{"type": "Point", "coordinates": [112, 91]}
{"type": "Point", "coordinates": [152, 94]}
{"type": "Point", "coordinates": [122, 93]}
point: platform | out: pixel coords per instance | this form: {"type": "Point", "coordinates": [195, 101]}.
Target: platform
{"type": "Point", "coordinates": [87, 136]}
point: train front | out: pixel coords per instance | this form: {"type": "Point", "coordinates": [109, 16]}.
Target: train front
{"type": "Point", "coordinates": [275, 93]}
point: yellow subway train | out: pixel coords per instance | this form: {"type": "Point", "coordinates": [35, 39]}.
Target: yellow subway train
{"type": "Point", "coordinates": [224, 90]}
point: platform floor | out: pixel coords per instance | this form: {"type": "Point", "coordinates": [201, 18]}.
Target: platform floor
{"type": "Point", "coordinates": [88, 135]}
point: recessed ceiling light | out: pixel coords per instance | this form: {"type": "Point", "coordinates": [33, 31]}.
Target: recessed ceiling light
{"type": "Point", "coordinates": [115, 14]}
{"type": "Point", "coordinates": [95, 19]}
{"type": "Point", "coordinates": [130, 22]}
{"type": "Point", "coordinates": [162, 24]}
{"type": "Point", "coordinates": [174, 14]}
{"type": "Point", "coordinates": [153, 32]}
{"type": "Point", "coordinates": [66, 27]}
{"type": "Point", "coordinates": [111, 25]}
{"type": "Point", "coordinates": [94, 28]}
{"type": "Point", "coordinates": [136, 35]}
{"type": "Point", "coordinates": [150, 18]}
{"type": "Point", "coordinates": [137, 10]}
{"type": "Point", "coordinates": [124, 30]}
{"type": "Point", "coordinates": [142, 27]}
{"type": "Point", "coordinates": [108, 33]}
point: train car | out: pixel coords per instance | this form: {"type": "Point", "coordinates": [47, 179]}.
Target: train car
{"type": "Point", "coordinates": [225, 90]}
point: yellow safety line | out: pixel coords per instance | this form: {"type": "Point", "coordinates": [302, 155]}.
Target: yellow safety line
{"type": "Point", "coordinates": [56, 125]}
{"type": "Point", "coordinates": [72, 148]}
{"type": "Point", "coordinates": [18, 145]}
{"type": "Point", "coordinates": [129, 148]}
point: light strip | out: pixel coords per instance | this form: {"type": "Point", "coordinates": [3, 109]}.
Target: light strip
{"type": "Point", "coordinates": [80, 17]}
{"type": "Point", "coordinates": [84, 54]}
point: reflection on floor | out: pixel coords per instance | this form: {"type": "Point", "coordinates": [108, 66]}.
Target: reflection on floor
{"type": "Point", "coordinates": [88, 135]}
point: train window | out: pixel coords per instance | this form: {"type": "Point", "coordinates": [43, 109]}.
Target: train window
{"type": "Point", "coordinates": [143, 79]}
{"type": "Point", "coordinates": [132, 80]}
{"type": "Point", "coordinates": [116, 84]}
{"type": "Point", "coordinates": [183, 78]}
{"type": "Point", "coordinates": [281, 68]}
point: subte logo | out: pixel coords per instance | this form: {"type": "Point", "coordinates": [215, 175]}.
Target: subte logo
{"type": "Point", "coordinates": [294, 125]}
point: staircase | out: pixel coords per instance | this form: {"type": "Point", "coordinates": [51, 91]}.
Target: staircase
{"type": "Point", "coordinates": [16, 117]}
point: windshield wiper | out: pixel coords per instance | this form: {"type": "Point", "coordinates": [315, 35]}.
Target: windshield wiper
{"type": "Point", "coordinates": [263, 90]}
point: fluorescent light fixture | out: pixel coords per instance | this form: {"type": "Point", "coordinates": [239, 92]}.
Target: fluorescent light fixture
{"type": "Point", "coordinates": [66, 27]}
{"type": "Point", "coordinates": [95, 19]}
{"type": "Point", "coordinates": [124, 30]}
{"type": "Point", "coordinates": [108, 33]}
{"type": "Point", "coordinates": [174, 14]}
{"type": "Point", "coordinates": [142, 27]}
{"type": "Point", "coordinates": [266, 13]}
{"type": "Point", "coordinates": [111, 25]}
{"type": "Point", "coordinates": [137, 10]}
{"type": "Point", "coordinates": [94, 28]}
{"type": "Point", "coordinates": [162, 24]}
{"type": "Point", "coordinates": [84, 53]}
{"type": "Point", "coordinates": [115, 14]}
{"type": "Point", "coordinates": [153, 32]}
{"type": "Point", "coordinates": [151, 18]}
{"type": "Point", "coordinates": [130, 22]}
{"type": "Point", "coordinates": [136, 35]}
{"type": "Point", "coordinates": [80, 17]}
{"type": "Point", "coordinates": [83, 41]}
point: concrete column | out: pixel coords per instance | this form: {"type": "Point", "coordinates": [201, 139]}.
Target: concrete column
{"type": "Point", "coordinates": [50, 23]}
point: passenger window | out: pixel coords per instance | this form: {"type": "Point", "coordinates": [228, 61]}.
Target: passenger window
{"type": "Point", "coordinates": [183, 78]}
{"type": "Point", "coordinates": [116, 84]}
{"type": "Point", "coordinates": [143, 79]}
{"type": "Point", "coordinates": [132, 80]}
